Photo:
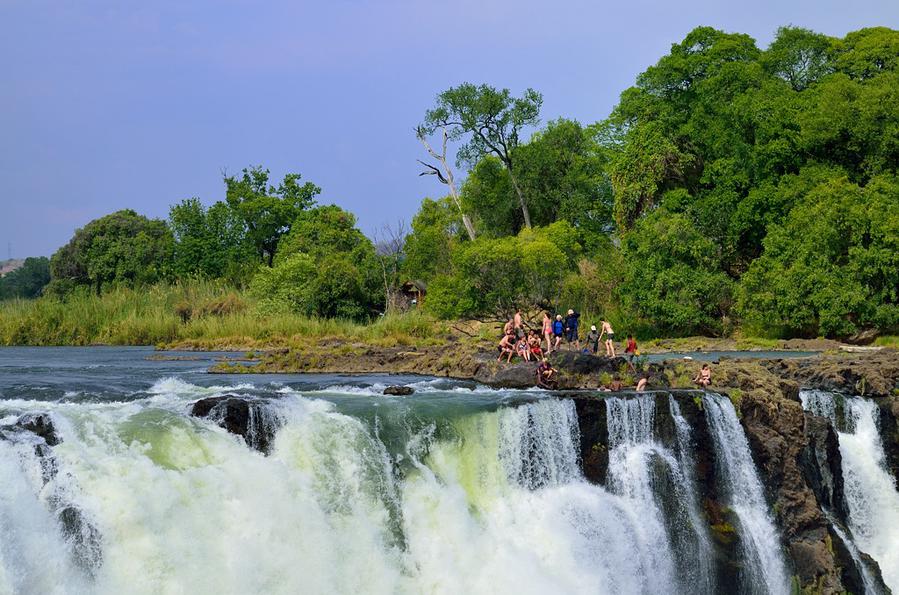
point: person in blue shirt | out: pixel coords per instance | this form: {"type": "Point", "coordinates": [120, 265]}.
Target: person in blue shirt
{"type": "Point", "coordinates": [558, 331]}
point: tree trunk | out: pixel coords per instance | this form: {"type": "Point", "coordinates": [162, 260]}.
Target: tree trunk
{"type": "Point", "coordinates": [524, 205]}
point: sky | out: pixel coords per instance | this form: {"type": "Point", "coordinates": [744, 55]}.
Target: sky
{"type": "Point", "coordinates": [106, 105]}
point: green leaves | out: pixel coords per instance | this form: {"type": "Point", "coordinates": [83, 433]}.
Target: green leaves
{"type": "Point", "coordinates": [266, 210]}
{"type": "Point", "coordinates": [122, 247]}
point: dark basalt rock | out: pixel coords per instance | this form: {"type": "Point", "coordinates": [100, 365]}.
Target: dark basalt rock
{"type": "Point", "coordinates": [889, 432]}
{"type": "Point", "coordinates": [821, 465]}
{"type": "Point", "coordinates": [399, 391]}
{"type": "Point", "coordinates": [39, 424]}
{"type": "Point", "coordinates": [249, 418]}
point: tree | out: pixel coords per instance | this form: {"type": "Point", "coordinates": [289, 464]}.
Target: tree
{"type": "Point", "coordinates": [799, 56]}
{"type": "Point", "coordinates": [492, 119]}
{"type": "Point", "coordinates": [122, 247]}
{"type": "Point", "coordinates": [831, 267]}
{"type": "Point", "coordinates": [209, 242]}
{"type": "Point", "coordinates": [266, 210]}
{"type": "Point", "coordinates": [325, 267]}
{"type": "Point", "coordinates": [27, 281]}
{"type": "Point", "coordinates": [436, 229]}
{"type": "Point", "coordinates": [444, 174]}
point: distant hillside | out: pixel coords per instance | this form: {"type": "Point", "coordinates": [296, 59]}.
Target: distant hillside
{"type": "Point", "coordinates": [8, 266]}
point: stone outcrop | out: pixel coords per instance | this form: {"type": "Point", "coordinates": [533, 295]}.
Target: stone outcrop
{"type": "Point", "coordinates": [251, 419]}
{"type": "Point", "coordinates": [399, 391]}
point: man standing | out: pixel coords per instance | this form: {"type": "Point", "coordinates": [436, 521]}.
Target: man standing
{"type": "Point", "coordinates": [516, 324]}
{"type": "Point", "coordinates": [571, 324]}
{"type": "Point", "coordinates": [610, 338]}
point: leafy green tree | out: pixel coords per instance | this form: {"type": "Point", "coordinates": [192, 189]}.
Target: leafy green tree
{"type": "Point", "coordinates": [26, 281]}
{"type": "Point", "coordinates": [122, 247]}
{"type": "Point", "coordinates": [561, 172]}
{"type": "Point", "coordinates": [799, 56]}
{"type": "Point", "coordinates": [209, 242]}
{"type": "Point", "coordinates": [267, 210]}
{"type": "Point", "coordinates": [673, 277]}
{"type": "Point", "coordinates": [325, 267]}
{"type": "Point", "coordinates": [832, 267]}
{"type": "Point", "coordinates": [436, 232]}
{"type": "Point", "coordinates": [492, 121]}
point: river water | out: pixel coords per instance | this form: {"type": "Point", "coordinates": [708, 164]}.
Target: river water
{"type": "Point", "coordinates": [456, 489]}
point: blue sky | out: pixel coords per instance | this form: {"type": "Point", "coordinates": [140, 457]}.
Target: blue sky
{"type": "Point", "coordinates": [122, 104]}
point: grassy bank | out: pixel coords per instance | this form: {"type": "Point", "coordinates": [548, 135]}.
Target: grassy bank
{"type": "Point", "coordinates": [196, 315]}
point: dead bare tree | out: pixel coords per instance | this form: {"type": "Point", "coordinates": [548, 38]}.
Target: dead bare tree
{"type": "Point", "coordinates": [389, 242]}
{"type": "Point", "coordinates": [444, 173]}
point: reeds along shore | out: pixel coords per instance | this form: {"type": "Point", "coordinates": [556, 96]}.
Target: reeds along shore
{"type": "Point", "coordinates": [203, 314]}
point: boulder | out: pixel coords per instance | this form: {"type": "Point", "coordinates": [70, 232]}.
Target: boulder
{"type": "Point", "coordinates": [39, 424]}
{"type": "Point", "coordinates": [252, 419]}
{"type": "Point", "coordinates": [863, 337]}
{"type": "Point", "coordinates": [399, 391]}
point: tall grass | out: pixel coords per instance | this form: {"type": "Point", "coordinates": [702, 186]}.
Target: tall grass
{"type": "Point", "coordinates": [200, 314]}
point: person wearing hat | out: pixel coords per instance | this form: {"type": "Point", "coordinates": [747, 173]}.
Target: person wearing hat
{"type": "Point", "coordinates": [571, 324]}
{"type": "Point", "coordinates": [593, 339]}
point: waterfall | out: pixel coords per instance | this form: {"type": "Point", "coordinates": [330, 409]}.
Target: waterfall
{"type": "Point", "coordinates": [870, 491]}
{"type": "Point", "coordinates": [764, 570]}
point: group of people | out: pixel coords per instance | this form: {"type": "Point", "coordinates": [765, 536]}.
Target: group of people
{"type": "Point", "coordinates": [529, 344]}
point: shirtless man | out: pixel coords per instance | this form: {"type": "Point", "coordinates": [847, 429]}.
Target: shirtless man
{"type": "Point", "coordinates": [516, 323]}
{"type": "Point", "coordinates": [704, 378]}
{"type": "Point", "coordinates": [507, 345]}
{"type": "Point", "coordinates": [610, 338]}
{"type": "Point", "coordinates": [546, 375]}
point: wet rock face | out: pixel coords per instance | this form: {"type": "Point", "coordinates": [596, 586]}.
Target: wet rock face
{"type": "Point", "coordinates": [594, 433]}
{"type": "Point", "coordinates": [889, 431]}
{"type": "Point", "coordinates": [821, 465]}
{"type": "Point", "coordinates": [399, 391]}
{"type": "Point", "coordinates": [252, 419]}
{"type": "Point", "coordinates": [775, 429]}
{"type": "Point", "coordinates": [83, 537]}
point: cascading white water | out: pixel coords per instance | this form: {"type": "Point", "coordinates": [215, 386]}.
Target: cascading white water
{"type": "Point", "coordinates": [700, 574]}
{"type": "Point", "coordinates": [479, 502]}
{"type": "Point", "coordinates": [764, 570]}
{"type": "Point", "coordinates": [649, 474]}
{"type": "Point", "coordinates": [869, 489]}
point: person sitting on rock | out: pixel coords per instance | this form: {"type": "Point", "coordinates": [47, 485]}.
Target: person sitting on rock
{"type": "Point", "coordinates": [704, 377]}
{"type": "Point", "coordinates": [507, 346]}
{"type": "Point", "coordinates": [523, 349]}
{"type": "Point", "coordinates": [534, 343]}
{"type": "Point", "coordinates": [616, 384]}
{"type": "Point", "coordinates": [546, 375]}
{"type": "Point", "coordinates": [593, 340]}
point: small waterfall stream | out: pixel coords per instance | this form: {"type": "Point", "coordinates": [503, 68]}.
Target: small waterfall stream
{"type": "Point", "coordinates": [764, 570]}
{"type": "Point", "coordinates": [870, 491]}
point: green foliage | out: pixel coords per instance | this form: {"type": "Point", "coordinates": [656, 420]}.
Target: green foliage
{"type": "Point", "coordinates": [436, 230]}
{"type": "Point", "coordinates": [123, 248]}
{"type": "Point", "coordinates": [326, 267]}
{"type": "Point", "coordinates": [493, 276]}
{"type": "Point", "coordinates": [832, 266]}
{"type": "Point", "coordinates": [27, 281]}
{"type": "Point", "coordinates": [266, 210]}
{"type": "Point", "coordinates": [209, 242]}
{"type": "Point", "coordinates": [673, 276]}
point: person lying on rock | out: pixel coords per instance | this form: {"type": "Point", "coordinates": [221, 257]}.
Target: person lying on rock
{"type": "Point", "coordinates": [641, 384]}
{"type": "Point", "coordinates": [546, 375]}
{"type": "Point", "coordinates": [507, 346]}
{"type": "Point", "coordinates": [704, 377]}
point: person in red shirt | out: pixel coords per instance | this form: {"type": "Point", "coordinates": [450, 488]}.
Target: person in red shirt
{"type": "Point", "coordinates": [631, 350]}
